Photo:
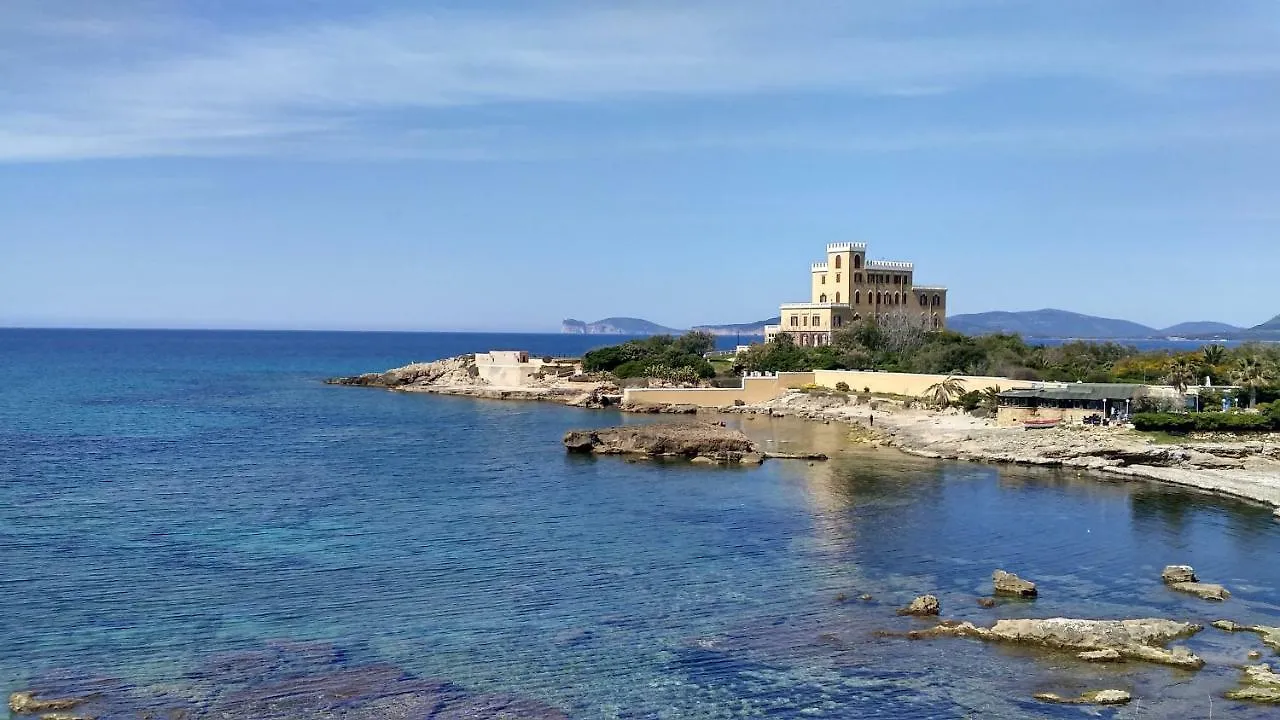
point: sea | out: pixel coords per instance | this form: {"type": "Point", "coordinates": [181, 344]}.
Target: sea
{"type": "Point", "coordinates": [172, 497]}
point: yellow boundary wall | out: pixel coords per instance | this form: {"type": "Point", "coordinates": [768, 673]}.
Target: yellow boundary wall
{"type": "Point", "coordinates": [762, 389]}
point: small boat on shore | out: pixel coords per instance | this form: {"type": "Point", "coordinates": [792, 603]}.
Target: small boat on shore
{"type": "Point", "coordinates": [1040, 424]}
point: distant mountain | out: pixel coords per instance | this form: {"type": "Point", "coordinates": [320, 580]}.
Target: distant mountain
{"type": "Point", "coordinates": [1049, 323]}
{"type": "Point", "coordinates": [1188, 329]}
{"type": "Point", "coordinates": [751, 328]}
{"type": "Point", "coordinates": [1272, 325]}
{"type": "Point", "coordinates": [636, 326]}
{"type": "Point", "coordinates": [616, 326]}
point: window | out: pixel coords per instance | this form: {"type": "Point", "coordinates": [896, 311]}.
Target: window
{"type": "Point", "coordinates": [937, 300]}
{"type": "Point", "coordinates": [824, 279]}
{"type": "Point", "coordinates": [896, 298]}
{"type": "Point", "coordinates": [817, 321]}
{"type": "Point", "coordinates": [822, 298]}
{"type": "Point", "coordinates": [795, 321]}
{"type": "Point", "coordinates": [837, 296]}
{"type": "Point", "coordinates": [857, 261]}
{"type": "Point", "coordinates": [837, 262]}
{"type": "Point", "coordinates": [837, 277]}
{"type": "Point", "coordinates": [806, 321]}
{"type": "Point", "coordinates": [857, 277]}
{"type": "Point", "coordinates": [838, 321]}
{"type": "Point", "coordinates": [924, 301]}
{"type": "Point", "coordinates": [897, 280]}
{"type": "Point", "coordinates": [857, 297]}
{"type": "Point", "coordinates": [877, 298]}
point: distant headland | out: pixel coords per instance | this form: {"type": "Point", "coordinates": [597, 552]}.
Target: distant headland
{"type": "Point", "coordinates": [1047, 323]}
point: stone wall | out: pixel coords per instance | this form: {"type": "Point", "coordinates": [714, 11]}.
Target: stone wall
{"type": "Point", "coordinates": [910, 384]}
{"type": "Point", "coordinates": [753, 390]}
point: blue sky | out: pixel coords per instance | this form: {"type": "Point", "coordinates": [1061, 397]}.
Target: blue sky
{"type": "Point", "coordinates": [501, 166]}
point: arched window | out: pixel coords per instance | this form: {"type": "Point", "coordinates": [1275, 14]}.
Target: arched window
{"type": "Point", "coordinates": [824, 279]}
{"type": "Point", "coordinates": [822, 298]}
{"type": "Point", "coordinates": [924, 301]}
{"type": "Point", "coordinates": [857, 261]}
{"type": "Point", "coordinates": [877, 298]}
{"type": "Point", "coordinates": [936, 323]}
{"type": "Point", "coordinates": [857, 297]}
{"type": "Point", "coordinates": [837, 297]}
{"type": "Point", "coordinates": [857, 277]}
{"type": "Point", "coordinates": [839, 321]}
{"type": "Point", "coordinates": [837, 262]}
{"type": "Point", "coordinates": [895, 298]}
{"type": "Point", "coordinates": [937, 300]}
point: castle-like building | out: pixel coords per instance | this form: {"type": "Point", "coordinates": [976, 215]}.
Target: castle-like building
{"type": "Point", "coordinates": [848, 288]}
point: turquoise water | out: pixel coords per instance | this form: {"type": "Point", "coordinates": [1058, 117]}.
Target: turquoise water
{"type": "Point", "coordinates": [169, 496]}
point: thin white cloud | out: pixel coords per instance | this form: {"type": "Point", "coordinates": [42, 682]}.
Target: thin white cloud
{"type": "Point", "coordinates": [332, 86]}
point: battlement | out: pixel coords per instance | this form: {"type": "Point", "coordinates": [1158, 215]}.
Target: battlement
{"type": "Point", "coordinates": [846, 247]}
{"type": "Point", "coordinates": [930, 288]}
{"type": "Point", "coordinates": [819, 267]}
{"type": "Point", "coordinates": [889, 265]}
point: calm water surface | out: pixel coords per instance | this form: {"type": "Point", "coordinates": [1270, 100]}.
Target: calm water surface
{"type": "Point", "coordinates": [168, 495]}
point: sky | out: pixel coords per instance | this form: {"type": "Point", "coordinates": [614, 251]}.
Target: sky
{"type": "Point", "coordinates": [326, 164]}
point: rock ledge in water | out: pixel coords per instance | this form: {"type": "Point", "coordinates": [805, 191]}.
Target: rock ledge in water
{"type": "Point", "coordinates": [1259, 684]}
{"type": "Point", "coordinates": [1141, 639]}
{"type": "Point", "coordinates": [1270, 635]}
{"type": "Point", "coordinates": [923, 605]}
{"type": "Point", "coordinates": [1093, 697]}
{"type": "Point", "coordinates": [1206, 591]}
{"type": "Point", "coordinates": [692, 441]}
{"type": "Point", "coordinates": [1178, 574]}
{"type": "Point", "coordinates": [1007, 583]}
{"type": "Point", "coordinates": [27, 702]}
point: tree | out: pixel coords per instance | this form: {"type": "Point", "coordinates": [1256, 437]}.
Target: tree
{"type": "Point", "coordinates": [1213, 355]}
{"type": "Point", "coordinates": [991, 399]}
{"type": "Point", "coordinates": [942, 394]}
{"type": "Point", "coordinates": [1181, 374]}
{"type": "Point", "coordinates": [1251, 373]}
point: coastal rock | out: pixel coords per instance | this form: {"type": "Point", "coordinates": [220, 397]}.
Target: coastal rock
{"type": "Point", "coordinates": [450, 371]}
{"type": "Point", "coordinates": [711, 443]}
{"type": "Point", "coordinates": [1206, 591]}
{"type": "Point", "coordinates": [26, 702]}
{"type": "Point", "coordinates": [986, 602]}
{"type": "Point", "coordinates": [1139, 639]}
{"type": "Point", "coordinates": [1007, 583]}
{"type": "Point", "coordinates": [1259, 684]}
{"type": "Point", "coordinates": [1270, 635]}
{"type": "Point", "coordinates": [1093, 697]}
{"type": "Point", "coordinates": [923, 605]}
{"type": "Point", "coordinates": [1178, 574]}
{"type": "Point", "coordinates": [1101, 656]}
{"type": "Point", "coordinates": [659, 408]}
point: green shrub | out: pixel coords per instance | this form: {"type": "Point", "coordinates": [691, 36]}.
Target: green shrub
{"type": "Point", "coordinates": [1164, 422]}
{"type": "Point", "coordinates": [842, 386]}
{"type": "Point", "coordinates": [971, 400]}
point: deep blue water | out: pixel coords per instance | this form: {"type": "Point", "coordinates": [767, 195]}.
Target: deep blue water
{"type": "Point", "coordinates": [169, 495]}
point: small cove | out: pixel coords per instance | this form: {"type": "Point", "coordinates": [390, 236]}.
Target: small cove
{"type": "Point", "coordinates": [170, 496]}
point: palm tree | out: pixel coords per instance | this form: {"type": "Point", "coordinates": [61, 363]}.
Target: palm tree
{"type": "Point", "coordinates": [991, 399]}
{"type": "Point", "coordinates": [942, 394]}
{"type": "Point", "coordinates": [1251, 373]}
{"type": "Point", "coordinates": [1181, 373]}
{"type": "Point", "coordinates": [1213, 355]}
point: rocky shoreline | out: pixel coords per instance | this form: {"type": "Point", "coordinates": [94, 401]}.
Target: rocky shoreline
{"type": "Point", "coordinates": [1247, 470]}
{"type": "Point", "coordinates": [1244, 470]}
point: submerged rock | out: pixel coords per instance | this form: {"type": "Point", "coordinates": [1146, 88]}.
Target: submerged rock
{"type": "Point", "coordinates": [1093, 697]}
{"type": "Point", "coordinates": [1206, 591]}
{"type": "Point", "coordinates": [1178, 574]}
{"type": "Point", "coordinates": [1259, 684]}
{"type": "Point", "coordinates": [923, 605]}
{"type": "Point", "coordinates": [986, 602]}
{"type": "Point", "coordinates": [27, 702]}
{"type": "Point", "coordinates": [692, 441]}
{"type": "Point", "coordinates": [1270, 635]}
{"type": "Point", "coordinates": [1140, 639]}
{"type": "Point", "coordinates": [1007, 583]}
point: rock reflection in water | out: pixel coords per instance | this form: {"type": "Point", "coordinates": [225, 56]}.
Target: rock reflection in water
{"type": "Point", "coordinates": [282, 681]}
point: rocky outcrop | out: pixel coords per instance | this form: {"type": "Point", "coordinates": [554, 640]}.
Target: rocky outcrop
{"type": "Point", "coordinates": [692, 441]}
{"type": "Point", "coordinates": [1178, 574]}
{"type": "Point", "coordinates": [1270, 635]}
{"type": "Point", "coordinates": [1259, 684]}
{"type": "Point", "coordinates": [659, 408]}
{"type": "Point", "coordinates": [1007, 583]}
{"type": "Point", "coordinates": [454, 371]}
{"type": "Point", "coordinates": [21, 703]}
{"type": "Point", "coordinates": [1205, 591]}
{"type": "Point", "coordinates": [1183, 579]}
{"type": "Point", "coordinates": [922, 606]}
{"type": "Point", "coordinates": [1141, 639]}
{"type": "Point", "coordinates": [1093, 697]}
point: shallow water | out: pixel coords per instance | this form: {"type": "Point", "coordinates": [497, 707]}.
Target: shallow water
{"type": "Point", "coordinates": [166, 496]}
